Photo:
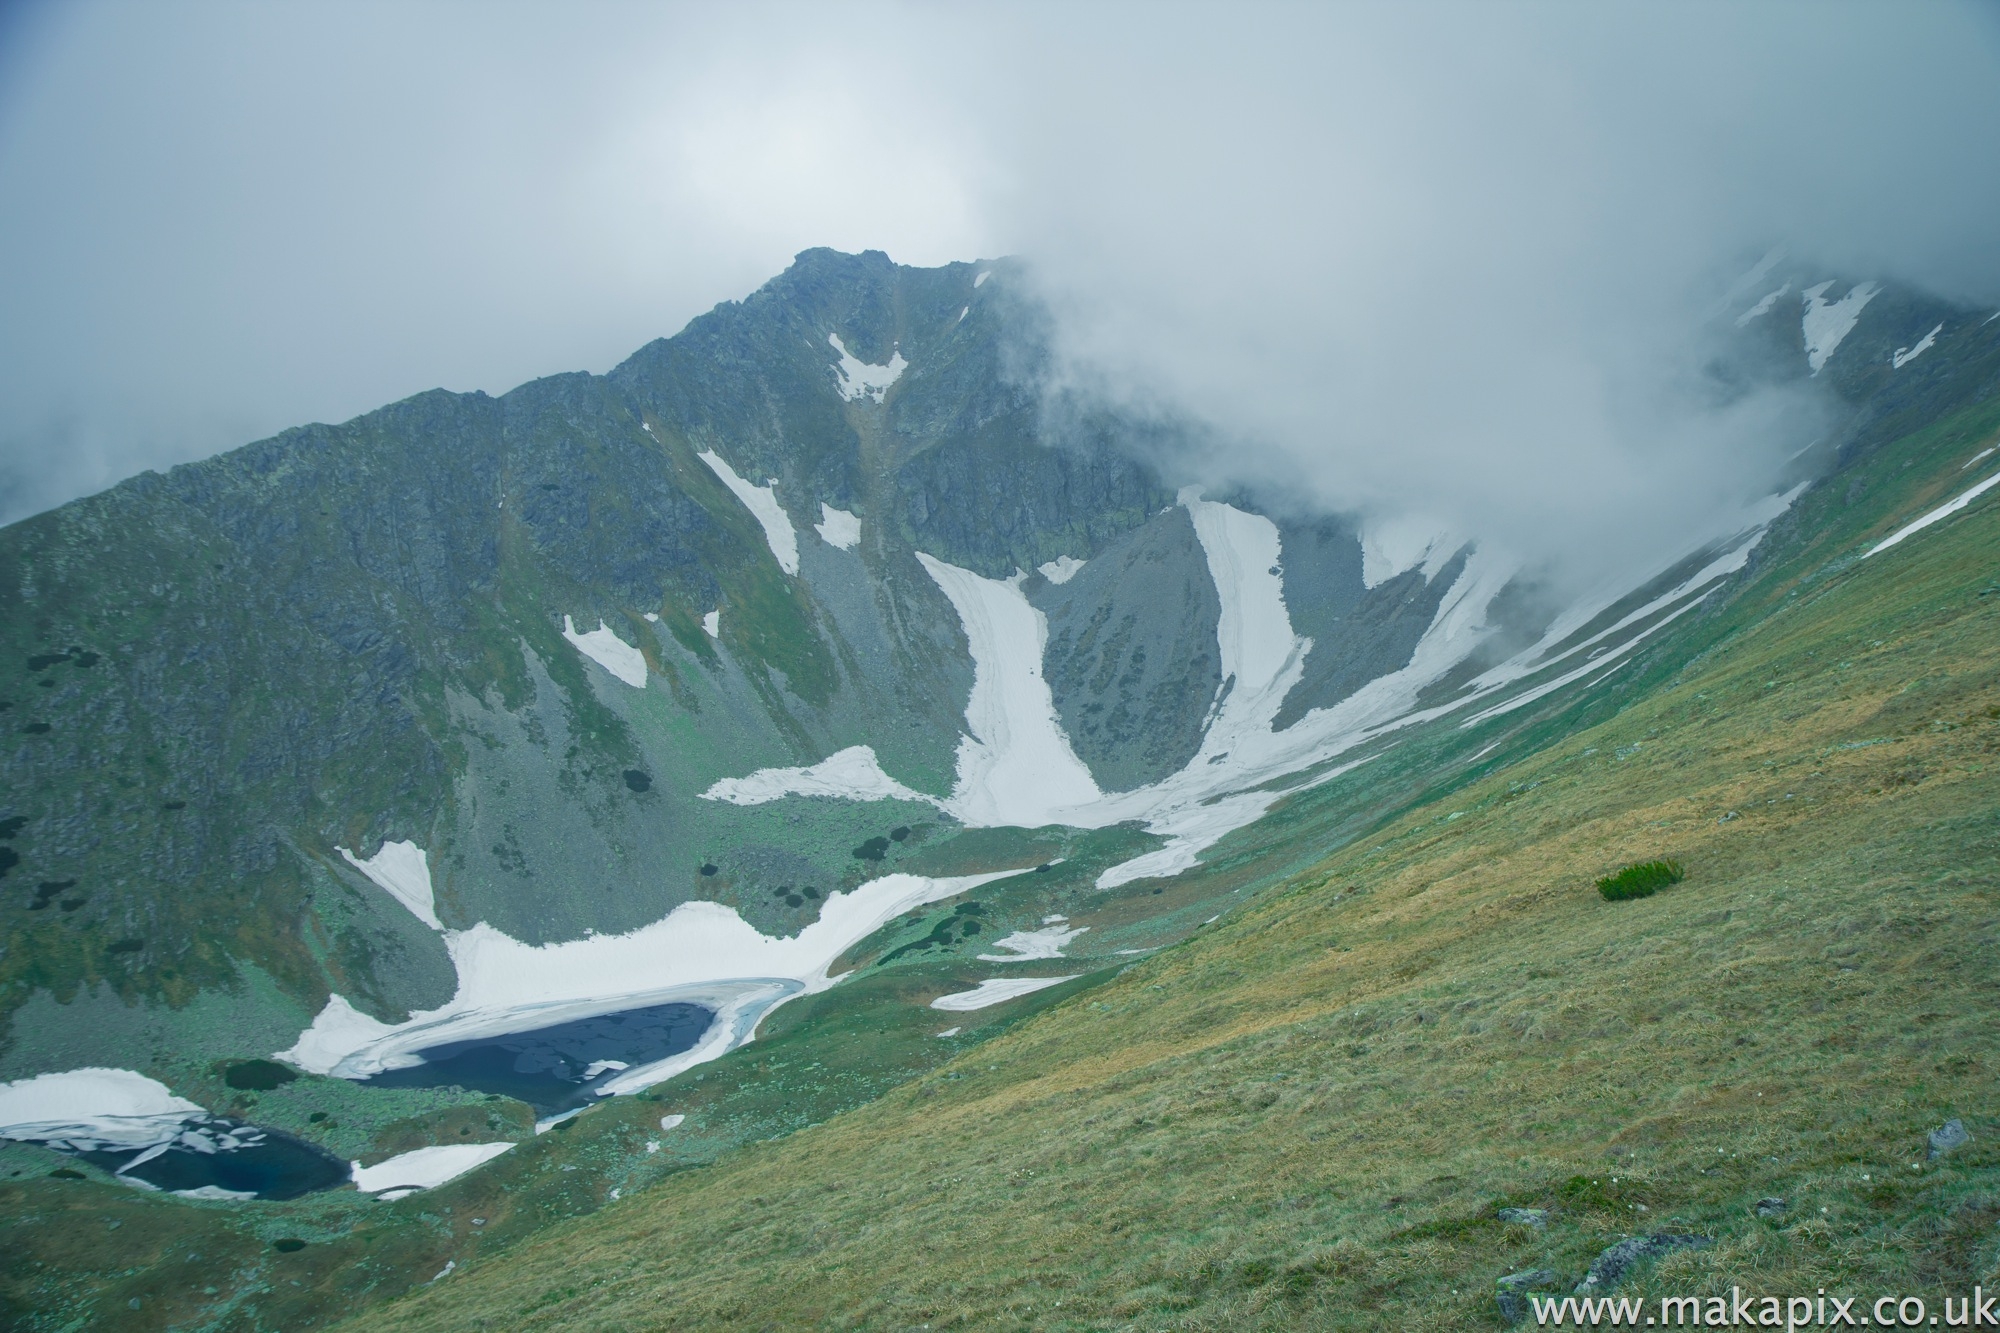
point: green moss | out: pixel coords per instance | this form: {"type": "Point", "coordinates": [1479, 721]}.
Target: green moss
{"type": "Point", "coordinates": [1641, 880]}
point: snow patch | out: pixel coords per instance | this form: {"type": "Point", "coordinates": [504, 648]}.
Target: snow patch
{"type": "Point", "coordinates": [980, 281]}
{"type": "Point", "coordinates": [1975, 458]}
{"type": "Point", "coordinates": [996, 991]}
{"type": "Point", "coordinates": [762, 502]}
{"type": "Point", "coordinates": [858, 379]}
{"type": "Point", "coordinates": [1028, 945]}
{"type": "Point", "coordinates": [700, 953]}
{"type": "Point", "coordinates": [1762, 307]}
{"type": "Point", "coordinates": [948, 1032]}
{"type": "Point", "coordinates": [609, 651]}
{"type": "Point", "coordinates": [838, 528]}
{"type": "Point", "coordinates": [1827, 323]}
{"type": "Point", "coordinates": [401, 870]}
{"type": "Point", "coordinates": [672, 1121]}
{"type": "Point", "coordinates": [424, 1168]}
{"type": "Point", "coordinates": [115, 1108]}
{"type": "Point", "coordinates": [853, 774]}
{"type": "Point", "coordinates": [1061, 569]}
{"type": "Point", "coordinates": [1943, 511]}
{"type": "Point", "coordinates": [1905, 355]}
{"type": "Point", "coordinates": [711, 624]}
{"type": "Point", "coordinates": [1016, 767]}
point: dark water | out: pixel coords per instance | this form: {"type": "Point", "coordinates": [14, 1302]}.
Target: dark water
{"type": "Point", "coordinates": [228, 1154]}
{"type": "Point", "coordinates": [546, 1067]}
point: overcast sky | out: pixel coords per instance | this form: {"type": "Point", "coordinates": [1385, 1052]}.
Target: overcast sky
{"type": "Point", "coordinates": [1442, 261]}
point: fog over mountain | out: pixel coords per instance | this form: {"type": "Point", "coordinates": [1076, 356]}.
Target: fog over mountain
{"type": "Point", "coordinates": [1448, 266]}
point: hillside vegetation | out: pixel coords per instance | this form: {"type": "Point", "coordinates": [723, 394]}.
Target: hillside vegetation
{"type": "Point", "coordinates": [1309, 1114]}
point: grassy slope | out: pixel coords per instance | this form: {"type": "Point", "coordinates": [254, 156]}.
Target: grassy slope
{"type": "Point", "coordinates": [1306, 1116]}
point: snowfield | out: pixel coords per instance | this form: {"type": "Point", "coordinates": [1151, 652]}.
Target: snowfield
{"type": "Point", "coordinates": [401, 870]}
{"type": "Point", "coordinates": [1905, 355]}
{"type": "Point", "coordinates": [1016, 766]}
{"type": "Point", "coordinates": [701, 953]}
{"type": "Point", "coordinates": [1827, 323]}
{"type": "Point", "coordinates": [1032, 945]}
{"type": "Point", "coordinates": [996, 991]}
{"type": "Point", "coordinates": [609, 651]}
{"type": "Point", "coordinates": [1061, 569]}
{"type": "Point", "coordinates": [853, 774]}
{"type": "Point", "coordinates": [762, 502]}
{"type": "Point", "coordinates": [858, 379]}
{"type": "Point", "coordinates": [424, 1168]}
{"type": "Point", "coordinates": [837, 527]}
{"type": "Point", "coordinates": [1943, 511]}
{"type": "Point", "coordinates": [93, 1108]}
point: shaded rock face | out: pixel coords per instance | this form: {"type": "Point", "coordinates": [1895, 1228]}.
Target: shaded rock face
{"type": "Point", "coordinates": [1357, 632]}
{"type": "Point", "coordinates": [352, 633]}
{"type": "Point", "coordinates": [1132, 660]}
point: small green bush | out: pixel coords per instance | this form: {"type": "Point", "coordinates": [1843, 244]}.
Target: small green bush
{"type": "Point", "coordinates": [1641, 880]}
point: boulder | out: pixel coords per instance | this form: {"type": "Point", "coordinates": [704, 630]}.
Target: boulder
{"type": "Point", "coordinates": [1512, 1291]}
{"type": "Point", "coordinates": [1610, 1267]}
{"type": "Point", "coordinates": [1948, 1137]}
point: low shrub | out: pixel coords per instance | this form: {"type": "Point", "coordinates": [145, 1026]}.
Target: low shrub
{"type": "Point", "coordinates": [1641, 880]}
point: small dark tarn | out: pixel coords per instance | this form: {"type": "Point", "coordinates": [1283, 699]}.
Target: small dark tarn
{"type": "Point", "coordinates": [173, 805]}
{"type": "Point", "coordinates": [46, 891]}
{"type": "Point", "coordinates": [637, 780]}
{"type": "Point", "coordinates": [793, 900]}
{"type": "Point", "coordinates": [1041, 870]}
{"type": "Point", "coordinates": [288, 1245]}
{"type": "Point", "coordinates": [258, 1075]}
{"type": "Point", "coordinates": [36, 728]}
{"type": "Point", "coordinates": [809, 891]}
{"type": "Point", "coordinates": [127, 946]}
{"type": "Point", "coordinates": [1159, 890]}
{"type": "Point", "coordinates": [709, 869]}
{"type": "Point", "coordinates": [900, 832]}
{"type": "Point", "coordinates": [64, 1173]}
{"type": "Point", "coordinates": [43, 661]}
{"type": "Point", "coordinates": [556, 1068]}
{"type": "Point", "coordinates": [269, 1163]}
{"type": "Point", "coordinates": [872, 850]}
{"type": "Point", "coordinates": [11, 826]}
{"type": "Point", "coordinates": [9, 858]}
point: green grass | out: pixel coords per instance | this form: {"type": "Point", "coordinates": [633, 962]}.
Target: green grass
{"type": "Point", "coordinates": [1641, 880]}
{"type": "Point", "coordinates": [1308, 1115]}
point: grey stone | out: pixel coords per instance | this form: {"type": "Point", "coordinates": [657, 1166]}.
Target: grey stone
{"type": "Point", "coordinates": [1532, 1217]}
{"type": "Point", "coordinates": [1511, 1292]}
{"type": "Point", "coordinates": [1610, 1267]}
{"type": "Point", "coordinates": [1771, 1207]}
{"type": "Point", "coordinates": [1948, 1137]}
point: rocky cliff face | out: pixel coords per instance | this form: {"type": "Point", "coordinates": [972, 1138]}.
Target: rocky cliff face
{"type": "Point", "coordinates": [213, 680]}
